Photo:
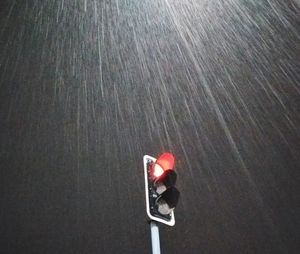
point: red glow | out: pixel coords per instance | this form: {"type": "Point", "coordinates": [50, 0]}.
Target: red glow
{"type": "Point", "coordinates": [164, 162]}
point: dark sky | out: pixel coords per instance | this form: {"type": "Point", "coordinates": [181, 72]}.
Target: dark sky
{"type": "Point", "coordinates": [87, 87]}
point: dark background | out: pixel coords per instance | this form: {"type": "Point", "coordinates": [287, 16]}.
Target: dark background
{"type": "Point", "coordinates": [88, 87]}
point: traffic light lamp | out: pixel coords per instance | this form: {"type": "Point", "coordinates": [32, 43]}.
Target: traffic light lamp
{"type": "Point", "coordinates": [161, 194]}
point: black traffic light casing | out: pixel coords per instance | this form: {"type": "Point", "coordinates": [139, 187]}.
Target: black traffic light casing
{"type": "Point", "coordinates": [161, 194]}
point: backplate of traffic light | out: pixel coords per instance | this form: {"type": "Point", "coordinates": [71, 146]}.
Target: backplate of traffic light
{"type": "Point", "coordinates": [161, 194]}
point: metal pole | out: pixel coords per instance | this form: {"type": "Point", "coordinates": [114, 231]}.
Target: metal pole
{"type": "Point", "coordinates": [155, 238]}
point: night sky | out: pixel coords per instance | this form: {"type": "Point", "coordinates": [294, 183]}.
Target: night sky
{"type": "Point", "coordinates": [87, 87]}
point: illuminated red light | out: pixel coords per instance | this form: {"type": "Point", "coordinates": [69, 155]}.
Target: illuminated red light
{"type": "Point", "coordinates": [164, 162]}
{"type": "Point", "coordinates": [158, 170]}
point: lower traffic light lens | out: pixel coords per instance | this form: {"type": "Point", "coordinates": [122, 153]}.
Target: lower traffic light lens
{"type": "Point", "coordinates": [163, 207]}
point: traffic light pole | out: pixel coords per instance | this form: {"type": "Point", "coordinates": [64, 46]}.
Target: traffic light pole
{"type": "Point", "coordinates": [155, 237]}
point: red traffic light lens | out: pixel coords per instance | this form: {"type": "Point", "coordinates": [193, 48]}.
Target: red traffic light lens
{"type": "Point", "coordinates": [157, 170]}
{"type": "Point", "coordinates": [164, 162]}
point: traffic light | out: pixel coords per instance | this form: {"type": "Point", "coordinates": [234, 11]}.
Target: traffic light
{"type": "Point", "coordinates": [161, 194]}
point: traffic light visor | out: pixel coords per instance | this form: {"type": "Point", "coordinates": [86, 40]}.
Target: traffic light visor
{"type": "Point", "coordinates": [168, 178]}
{"type": "Point", "coordinates": [171, 196]}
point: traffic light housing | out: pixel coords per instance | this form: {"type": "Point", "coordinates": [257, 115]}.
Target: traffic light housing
{"type": "Point", "coordinates": [161, 194]}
